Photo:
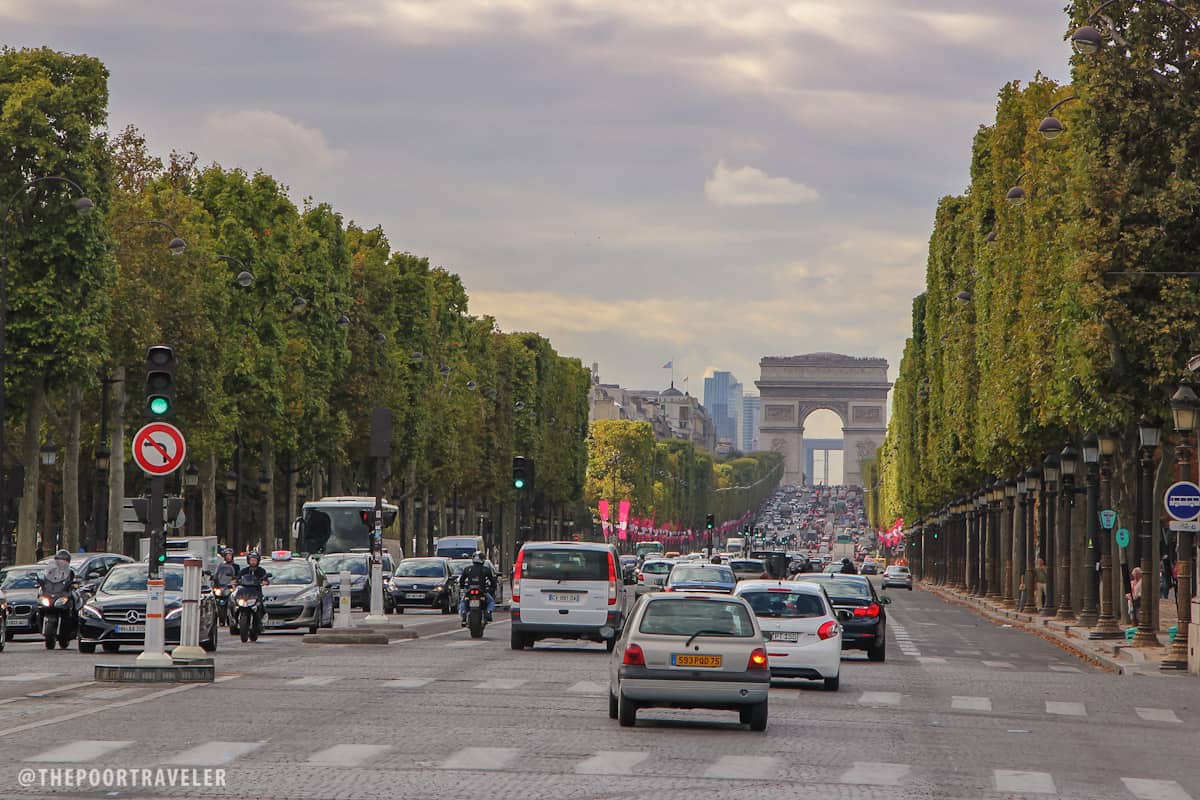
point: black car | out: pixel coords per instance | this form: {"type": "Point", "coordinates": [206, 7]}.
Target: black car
{"type": "Point", "coordinates": [116, 615]}
{"type": "Point", "coordinates": [19, 585]}
{"type": "Point", "coordinates": [861, 611]}
{"type": "Point", "coordinates": [423, 583]}
{"type": "Point", "coordinates": [358, 564]}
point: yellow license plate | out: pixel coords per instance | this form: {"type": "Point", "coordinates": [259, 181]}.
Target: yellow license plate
{"type": "Point", "coordinates": [683, 660]}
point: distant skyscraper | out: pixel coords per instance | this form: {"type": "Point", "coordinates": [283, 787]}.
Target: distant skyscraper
{"type": "Point", "coordinates": [751, 414]}
{"type": "Point", "coordinates": [723, 400]}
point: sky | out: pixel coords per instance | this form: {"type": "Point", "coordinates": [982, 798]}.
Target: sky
{"type": "Point", "coordinates": [704, 182]}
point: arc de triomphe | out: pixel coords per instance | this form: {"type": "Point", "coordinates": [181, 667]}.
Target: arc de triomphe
{"type": "Point", "coordinates": [792, 387]}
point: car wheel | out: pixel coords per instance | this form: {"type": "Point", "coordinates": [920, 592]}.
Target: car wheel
{"type": "Point", "coordinates": [832, 684]}
{"type": "Point", "coordinates": [9, 635]}
{"type": "Point", "coordinates": [446, 605]}
{"type": "Point", "coordinates": [758, 717]}
{"type": "Point", "coordinates": [518, 641]}
{"type": "Point", "coordinates": [87, 647]}
{"type": "Point", "coordinates": [210, 645]}
{"type": "Point", "coordinates": [610, 644]}
{"type": "Point", "coordinates": [877, 653]}
{"type": "Point", "coordinates": [111, 647]}
{"type": "Point", "coordinates": [612, 705]}
{"type": "Point", "coordinates": [4, 637]}
{"type": "Point", "coordinates": [626, 712]}
{"type": "Point", "coordinates": [399, 609]}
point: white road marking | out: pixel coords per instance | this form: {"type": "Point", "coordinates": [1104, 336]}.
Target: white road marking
{"type": "Point", "coordinates": [480, 758]}
{"type": "Point", "coordinates": [870, 773]}
{"type": "Point", "coordinates": [743, 768]}
{"type": "Point", "coordinates": [1015, 781]}
{"type": "Point", "coordinates": [931, 660]}
{"type": "Point", "coordinates": [1148, 789]}
{"type": "Point", "coordinates": [880, 698]}
{"type": "Point", "coordinates": [314, 680]}
{"type": "Point", "coordinates": [213, 754]}
{"type": "Point", "coordinates": [84, 750]}
{"type": "Point", "coordinates": [22, 677]}
{"type": "Point", "coordinates": [586, 687]}
{"type": "Point", "coordinates": [407, 683]}
{"type": "Point", "coordinates": [347, 755]}
{"type": "Point", "coordinates": [998, 664]}
{"type": "Point", "coordinates": [109, 694]}
{"type": "Point", "coordinates": [224, 678]}
{"type": "Point", "coordinates": [502, 683]}
{"type": "Point", "coordinates": [611, 762]}
{"type": "Point", "coordinates": [1061, 668]}
{"type": "Point", "coordinates": [96, 710]}
{"type": "Point", "coordinates": [1066, 709]}
{"type": "Point", "coordinates": [57, 689]}
{"type": "Point", "coordinates": [472, 643]}
{"type": "Point", "coordinates": [1158, 715]}
{"type": "Point", "coordinates": [968, 652]}
{"type": "Point", "coordinates": [965, 703]}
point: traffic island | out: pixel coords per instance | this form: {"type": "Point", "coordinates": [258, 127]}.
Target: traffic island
{"type": "Point", "coordinates": [184, 672]}
{"type": "Point", "coordinates": [361, 634]}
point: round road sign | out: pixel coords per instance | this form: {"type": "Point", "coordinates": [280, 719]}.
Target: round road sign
{"type": "Point", "coordinates": [159, 449]}
{"type": "Point", "coordinates": [1123, 537]}
{"type": "Point", "coordinates": [1182, 500]}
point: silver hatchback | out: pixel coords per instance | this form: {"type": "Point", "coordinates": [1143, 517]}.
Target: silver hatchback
{"type": "Point", "coordinates": [897, 575]}
{"type": "Point", "coordinates": [690, 650]}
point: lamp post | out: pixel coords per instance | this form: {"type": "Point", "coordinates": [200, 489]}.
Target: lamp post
{"type": "Point", "coordinates": [1148, 437]}
{"type": "Point", "coordinates": [191, 481]}
{"type": "Point", "coordinates": [301, 497]}
{"type": "Point", "coordinates": [1184, 405]}
{"type": "Point", "coordinates": [49, 457]}
{"type": "Point", "coordinates": [1018, 542]}
{"type": "Point", "coordinates": [266, 530]}
{"type": "Point", "coordinates": [231, 487]}
{"type": "Point", "coordinates": [1050, 471]}
{"type": "Point", "coordinates": [1106, 623]}
{"type": "Point", "coordinates": [980, 554]}
{"type": "Point", "coordinates": [1088, 614]}
{"type": "Point", "coordinates": [1007, 526]}
{"type": "Point", "coordinates": [1068, 461]}
{"type": "Point", "coordinates": [1033, 481]}
{"type": "Point", "coordinates": [995, 525]}
{"type": "Point", "coordinates": [969, 545]}
{"type": "Point", "coordinates": [99, 540]}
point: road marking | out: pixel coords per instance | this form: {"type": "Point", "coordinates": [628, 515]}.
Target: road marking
{"type": "Point", "coordinates": [968, 652]}
{"type": "Point", "coordinates": [586, 687]}
{"type": "Point", "coordinates": [611, 762]}
{"type": "Point", "coordinates": [1015, 781]}
{"type": "Point", "coordinates": [471, 643]}
{"type": "Point", "coordinates": [931, 660]}
{"type": "Point", "coordinates": [965, 703]}
{"type": "Point", "coordinates": [347, 755]}
{"type": "Point", "coordinates": [1061, 668]}
{"type": "Point", "coordinates": [57, 689]}
{"type": "Point", "coordinates": [502, 683]}
{"type": "Point", "coordinates": [407, 683]}
{"type": "Point", "coordinates": [315, 680]}
{"type": "Point", "coordinates": [1158, 715]}
{"type": "Point", "coordinates": [108, 707]}
{"type": "Point", "coordinates": [21, 677]}
{"type": "Point", "coordinates": [1148, 789]}
{"type": "Point", "coordinates": [480, 758]}
{"type": "Point", "coordinates": [880, 698]}
{"type": "Point", "coordinates": [743, 768]}
{"type": "Point", "coordinates": [1066, 709]}
{"type": "Point", "coordinates": [109, 694]}
{"type": "Point", "coordinates": [998, 664]}
{"type": "Point", "coordinates": [84, 750]}
{"type": "Point", "coordinates": [224, 678]}
{"type": "Point", "coordinates": [213, 754]}
{"type": "Point", "coordinates": [872, 773]}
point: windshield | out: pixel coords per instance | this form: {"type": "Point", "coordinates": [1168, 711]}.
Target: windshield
{"type": "Point", "coordinates": [897, 570]}
{"type": "Point", "coordinates": [132, 578]}
{"type": "Point", "coordinates": [657, 567]}
{"type": "Point", "coordinates": [351, 562]}
{"type": "Point", "coordinates": [288, 573]}
{"type": "Point", "coordinates": [705, 574]}
{"type": "Point", "coordinates": [687, 616]}
{"type": "Point", "coordinates": [747, 566]}
{"type": "Point", "coordinates": [565, 565]}
{"type": "Point", "coordinates": [330, 528]}
{"type": "Point", "coordinates": [19, 579]}
{"type": "Point", "coordinates": [421, 569]}
{"type": "Point", "coordinates": [785, 604]}
{"type": "Point", "coordinates": [842, 589]}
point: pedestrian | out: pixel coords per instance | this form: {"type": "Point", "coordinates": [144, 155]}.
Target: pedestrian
{"type": "Point", "coordinates": [1134, 595]}
{"type": "Point", "coordinates": [1168, 577]}
{"type": "Point", "coordinates": [1041, 576]}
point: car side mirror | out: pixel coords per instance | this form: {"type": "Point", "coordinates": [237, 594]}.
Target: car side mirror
{"type": "Point", "coordinates": [90, 588]}
{"type": "Point", "coordinates": [885, 601]}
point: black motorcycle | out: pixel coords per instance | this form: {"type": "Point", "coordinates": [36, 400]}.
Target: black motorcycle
{"type": "Point", "coordinates": [476, 611]}
{"type": "Point", "coordinates": [248, 611]}
{"type": "Point", "coordinates": [59, 623]}
{"type": "Point", "coordinates": [222, 594]}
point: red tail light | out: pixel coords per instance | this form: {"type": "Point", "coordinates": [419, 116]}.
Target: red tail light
{"type": "Point", "coordinates": [868, 611]}
{"type": "Point", "coordinates": [758, 659]}
{"type": "Point", "coordinates": [516, 584]}
{"type": "Point", "coordinates": [764, 576]}
{"type": "Point", "coordinates": [828, 630]}
{"type": "Point", "coordinates": [612, 580]}
{"type": "Point", "coordinates": [634, 657]}
{"type": "Point", "coordinates": [667, 588]}
{"type": "Point", "coordinates": [641, 578]}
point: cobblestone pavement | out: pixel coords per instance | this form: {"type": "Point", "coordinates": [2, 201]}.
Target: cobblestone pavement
{"type": "Point", "coordinates": [962, 708]}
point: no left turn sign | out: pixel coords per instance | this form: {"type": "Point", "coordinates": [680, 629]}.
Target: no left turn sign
{"type": "Point", "coordinates": [159, 449]}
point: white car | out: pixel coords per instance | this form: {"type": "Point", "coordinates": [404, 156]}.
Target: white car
{"type": "Point", "coordinates": [567, 590]}
{"type": "Point", "coordinates": [897, 575]}
{"type": "Point", "coordinates": [804, 636]}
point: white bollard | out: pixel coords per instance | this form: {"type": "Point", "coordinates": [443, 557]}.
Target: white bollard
{"type": "Point", "coordinates": [189, 630]}
{"type": "Point", "coordinates": [152, 654]}
{"type": "Point", "coordinates": [376, 614]}
{"type": "Point", "coordinates": [342, 618]}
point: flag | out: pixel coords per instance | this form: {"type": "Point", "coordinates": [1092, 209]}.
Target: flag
{"type": "Point", "coordinates": [669, 365]}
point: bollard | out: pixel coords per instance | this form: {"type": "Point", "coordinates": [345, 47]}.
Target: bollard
{"type": "Point", "coordinates": [342, 618]}
{"type": "Point", "coordinates": [375, 615]}
{"type": "Point", "coordinates": [189, 624]}
{"type": "Point", "coordinates": [152, 654]}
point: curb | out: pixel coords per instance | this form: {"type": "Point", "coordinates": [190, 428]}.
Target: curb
{"type": "Point", "coordinates": [381, 634]}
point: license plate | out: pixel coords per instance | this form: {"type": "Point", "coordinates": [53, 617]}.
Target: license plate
{"type": "Point", "coordinates": [273, 623]}
{"type": "Point", "coordinates": [475, 603]}
{"type": "Point", "coordinates": [414, 596]}
{"type": "Point", "coordinates": [564, 597]}
{"type": "Point", "coordinates": [687, 660]}
{"type": "Point", "coordinates": [22, 620]}
{"type": "Point", "coordinates": [782, 636]}
{"type": "Point", "coordinates": [130, 629]}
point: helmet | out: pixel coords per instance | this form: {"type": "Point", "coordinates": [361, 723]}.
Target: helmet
{"type": "Point", "coordinates": [62, 555]}
{"type": "Point", "coordinates": [253, 554]}
{"type": "Point", "coordinates": [478, 557]}
{"type": "Point", "coordinates": [227, 552]}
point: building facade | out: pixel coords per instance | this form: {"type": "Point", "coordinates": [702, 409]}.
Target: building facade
{"type": "Point", "coordinates": [671, 413]}
{"type": "Point", "coordinates": [723, 401]}
{"type": "Point", "coordinates": [751, 416]}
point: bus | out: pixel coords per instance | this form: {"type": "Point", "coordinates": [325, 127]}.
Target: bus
{"type": "Point", "coordinates": [340, 524]}
{"type": "Point", "coordinates": [646, 549]}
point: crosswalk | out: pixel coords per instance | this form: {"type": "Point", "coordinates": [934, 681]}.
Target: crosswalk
{"type": "Point", "coordinates": [603, 762]}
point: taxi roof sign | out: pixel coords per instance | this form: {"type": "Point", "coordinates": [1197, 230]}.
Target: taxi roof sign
{"type": "Point", "coordinates": [281, 555]}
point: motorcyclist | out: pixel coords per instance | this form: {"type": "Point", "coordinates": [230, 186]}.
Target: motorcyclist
{"type": "Point", "coordinates": [226, 572]}
{"type": "Point", "coordinates": [716, 559]}
{"type": "Point", "coordinates": [848, 567]}
{"type": "Point", "coordinates": [59, 578]}
{"type": "Point", "coordinates": [252, 574]}
{"type": "Point", "coordinates": [477, 574]}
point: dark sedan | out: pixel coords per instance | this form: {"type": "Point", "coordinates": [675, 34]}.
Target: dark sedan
{"type": "Point", "coordinates": [861, 611]}
{"type": "Point", "coordinates": [20, 587]}
{"type": "Point", "coordinates": [701, 578]}
{"type": "Point", "coordinates": [116, 615]}
{"type": "Point", "coordinates": [423, 583]}
{"type": "Point", "coordinates": [358, 564]}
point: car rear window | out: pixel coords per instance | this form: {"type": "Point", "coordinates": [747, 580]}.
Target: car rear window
{"type": "Point", "coordinates": [840, 589]}
{"type": "Point", "coordinates": [658, 568]}
{"type": "Point", "coordinates": [565, 565]}
{"type": "Point", "coordinates": [785, 604]}
{"type": "Point", "coordinates": [701, 574]}
{"type": "Point", "coordinates": [747, 566]}
{"type": "Point", "coordinates": [687, 616]}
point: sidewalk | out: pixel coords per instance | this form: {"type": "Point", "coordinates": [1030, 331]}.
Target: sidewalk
{"type": "Point", "coordinates": [1114, 655]}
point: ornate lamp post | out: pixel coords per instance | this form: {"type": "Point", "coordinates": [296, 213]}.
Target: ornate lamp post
{"type": "Point", "coordinates": [1184, 405]}
{"type": "Point", "coordinates": [100, 506]}
{"type": "Point", "coordinates": [994, 539]}
{"type": "Point", "coordinates": [1106, 623]}
{"type": "Point", "coordinates": [1050, 471]}
{"type": "Point", "coordinates": [1091, 458]}
{"type": "Point", "coordinates": [49, 457]}
{"type": "Point", "coordinates": [231, 487]}
{"type": "Point", "coordinates": [1006, 544]}
{"type": "Point", "coordinates": [1148, 437]}
{"type": "Point", "coordinates": [1033, 481]}
{"type": "Point", "coordinates": [1068, 461]}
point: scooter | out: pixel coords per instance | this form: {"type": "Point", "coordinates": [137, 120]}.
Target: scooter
{"type": "Point", "coordinates": [222, 594]}
{"type": "Point", "coordinates": [58, 616]}
{"type": "Point", "coordinates": [476, 611]}
{"type": "Point", "coordinates": [248, 605]}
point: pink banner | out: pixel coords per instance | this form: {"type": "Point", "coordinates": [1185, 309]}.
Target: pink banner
{"type": "Point", "coordinates": [604, 510]}
{"type": "Point", "coordinates": [623, 513]}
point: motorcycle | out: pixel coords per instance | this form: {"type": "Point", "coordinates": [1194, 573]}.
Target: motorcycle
{"type": "Point", "coordinates": [222, 594]}
{"type": "Point", "coordinates": [476, 611]}
{"type": "Point", "coordinates": [248, 605]}
{"type": "Point", "coordinates": [59, 623]}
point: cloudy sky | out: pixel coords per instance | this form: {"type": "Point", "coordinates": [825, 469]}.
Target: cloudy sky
{"type": "Point", "coordinates": [703, 181]}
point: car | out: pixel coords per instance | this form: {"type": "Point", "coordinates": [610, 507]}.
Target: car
{"type": "Point", "coordinates": [868, 567]}
{"type": "Point", "coordinates": [358, 563]}
{"type": "Point", "coordinates": [457, 565]}
{"type": "Point", "coordinates": [860, 610]}
{"type": "Point", "coordinates": [566, 590]}
{"type": "Point", "coordinates": [700, 578]}
{"type": "Point", "coordinates": [21, 589]}
{"type": "Point", "coordinates": [690, 650]}
{"type": "Point", "coordinates": [423, 583]}
{"type": "Point", "coordinates": [629, 567]}
{"type": "Point", "coordinates": [297, 594]}
{"type": "Point", "coordinates": [801, 627]}
{"type": "Point", "coordinates": [897, 575]}
{"type": "Point", "coordinates": [116, 615]}
{"type": "Point", "coordinates": [748, 569]}
{"type": "Point", "coordinates": [653, 574]}
{"type": "Point", "coordinates": [833, 569]}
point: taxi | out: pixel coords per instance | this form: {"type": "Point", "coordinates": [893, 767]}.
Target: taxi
{"type": "Point", "coordinates": [298, 594]}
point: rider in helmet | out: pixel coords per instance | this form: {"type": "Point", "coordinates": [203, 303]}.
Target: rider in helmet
{"type": "Point", "coordinates": [59, 576]}
{"type": "Point", "coordinates": [478, 574]}
{"type": "Point", "coordinates": [227, 571]}
{"type": "Point", "coordinates": [253, 574]}
{"type": "Point", "coordinates": [716, 559]}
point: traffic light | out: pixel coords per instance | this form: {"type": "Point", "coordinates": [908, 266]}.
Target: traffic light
{"type": "Point", "coordinates": [522, 473]}
{"type": "Point", "coordinates": [709, 522]}
{"type": "Point", "coordinates": [160, 381]}
{"type": "Point", "coordinates": [158, 550]}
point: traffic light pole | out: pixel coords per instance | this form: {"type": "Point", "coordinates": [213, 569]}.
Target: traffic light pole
{"type": "Point", "coordinates": [153, 655]}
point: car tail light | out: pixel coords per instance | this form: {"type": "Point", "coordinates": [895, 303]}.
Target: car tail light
{"type": "Point", "coordinates": [828, 630]}
{"type": "Point", "coordinates": [641, 578]}
{"type": "Point", "coordinates": [758, 659]}
{"type": "Point", "coordinates": [634, 657]}
{"type": "Point", "coordinates": [516, 584]}
{"type": "Point", "coordinates": [612, 580]}
{"type": "Point", "coordinates": [764, 576]}
{"type": "Point", "coordinates": [667, 588]}
{"type": "Point", "coordinates": [867, 611]}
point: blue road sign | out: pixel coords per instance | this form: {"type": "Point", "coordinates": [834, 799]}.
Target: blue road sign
{"type": "Point", "coordinates": [1182, 500]}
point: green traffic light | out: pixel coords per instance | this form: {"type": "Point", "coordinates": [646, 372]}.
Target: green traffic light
{"type": "Point", "coordinates": [159, 406]}
{"type": "Point", "coordinates": [518, 483]}
{"type": "Point", "coordinates": [162, 558]}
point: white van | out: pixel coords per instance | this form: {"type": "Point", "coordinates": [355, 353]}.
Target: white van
{"type": "Point", "coordinates": [567, 590]}
{"type": "Point", "coordinates": [458, 546]}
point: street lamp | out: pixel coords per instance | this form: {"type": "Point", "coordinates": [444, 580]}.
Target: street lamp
{"type": "Point", "coordinates": [1149, 434]}
{"type": "Point", "coordinates": [231, 487]}
{"type": "Point", "coordinates": [1091, 460]}
{"type": "Point", "coordinates": [1069, 463]}
{"type": "Point", "coordinates": [1007, 523]}
{"type": "Point", "coordinates": [1184, 405]}
{"type": "Point", "coordinates": [1106, 623]}
{"type": "Point", "coordinates": [1016, 195]}
{"type": "Point", "coordinates": [1033, 481]}
{"type": "Point", "coordinates": [1050, 473]}
{"type": "Point", "coordinates": [49, 457]}
{"type": "Point", "coordinates": [1087, 39]}
{"type": "Point", "coordinates": [1051, 127]}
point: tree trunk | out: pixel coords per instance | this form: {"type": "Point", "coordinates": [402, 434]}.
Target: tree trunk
{"type": "Point", "coordinates": [116, 463]}
{"type": "Point", "coordinates": [30, 456]}
{"type": "Point", "coordinates": [70, 513]}
{"type": "Point", "coordinates": [208, 496]}
{"type": "Point", "coordinates": [291, 512]}
{"type": "Point", "coordinates": [270, 530]}
{"type": "Point", "coordinates": [335, 480]}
